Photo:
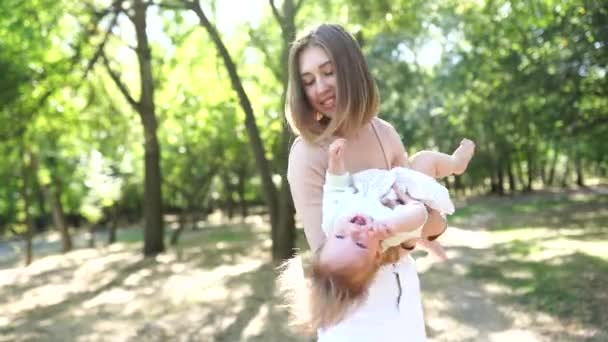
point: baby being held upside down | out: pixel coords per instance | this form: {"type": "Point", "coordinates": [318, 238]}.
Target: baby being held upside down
{"type": "Point", "coordinates": [367, 213]}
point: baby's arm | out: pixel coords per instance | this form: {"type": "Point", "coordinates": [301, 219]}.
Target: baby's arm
{"type": "Point", "coordinates": [337, 185]}
{"type": "Point", "coordinates": [439, 165]}
{"type": "Point", "coordinates": [336, 157]}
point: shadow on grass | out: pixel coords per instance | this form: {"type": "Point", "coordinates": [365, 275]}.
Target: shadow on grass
{"type": "Point", "coordinates": [25, 319]}
{"type": "Point", "coordinates": [571, 287]}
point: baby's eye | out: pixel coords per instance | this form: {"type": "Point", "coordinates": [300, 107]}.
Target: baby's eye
{"type": "Point", "coordinates": [339, 236]}
{"type": "Point", "coordinates": [360, 245]}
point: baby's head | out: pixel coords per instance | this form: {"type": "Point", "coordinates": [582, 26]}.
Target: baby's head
{"type": "Point", "coordinates": [344, 267]}
{"type": "Point", "coordinates": [319, 291]}
{"type": "Point", "coordinates": [354, 245]}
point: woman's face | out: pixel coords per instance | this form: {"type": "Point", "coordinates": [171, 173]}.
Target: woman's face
{"type": "Point", "coordinates": [318, 77]}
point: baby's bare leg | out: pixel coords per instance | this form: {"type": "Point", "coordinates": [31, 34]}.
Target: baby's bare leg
{"type": "Point", "coordinates": [438, 165]}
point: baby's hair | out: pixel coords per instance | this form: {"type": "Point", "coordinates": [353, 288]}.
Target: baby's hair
{"type": "Point", "coordinates": [317, 298]}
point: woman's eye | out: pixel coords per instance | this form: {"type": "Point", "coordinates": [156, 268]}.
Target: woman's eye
{"type": "Point", "coordinates": [339, 236]}
{"type": "Point", "coordinates": [360, 245]}
{"type": "Point", "coordinates": [328, 73]}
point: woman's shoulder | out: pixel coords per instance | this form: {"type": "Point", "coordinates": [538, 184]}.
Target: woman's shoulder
{"type": "Point", "coordinates": [302, 148]}
{"type": "Point", "coordinates": [383, 125]}
{"type": "Point", "coordinates": [304, 154]}
{"type": "Point", "coordinates": [387, 132]}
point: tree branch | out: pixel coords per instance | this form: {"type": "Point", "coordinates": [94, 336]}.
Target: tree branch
{"type": "Point", "coordinates": [298, 5]}
{"type": "Point", "coordinates": [276, 13]}
{"type": "Point", "coordinates": [101, 46]}
{"type": "Point", "coordinates": [257, 41]}
{"type": "Point", "coordinates": [121, 86]}
{"type": "Point", "coordinates": [170, 6]}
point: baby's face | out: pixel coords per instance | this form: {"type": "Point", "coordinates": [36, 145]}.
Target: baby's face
{"type": "Point", "coordinates": [354, 242]}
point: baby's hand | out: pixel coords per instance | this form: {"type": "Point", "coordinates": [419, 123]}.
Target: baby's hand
{"type": "Point", "coordinates": [336, 157]}
{"type": "Point", "coordinates": [336, 148]}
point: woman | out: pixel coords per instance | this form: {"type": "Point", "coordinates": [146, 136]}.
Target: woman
{"type": "Point", "coordinates": [332, 94]}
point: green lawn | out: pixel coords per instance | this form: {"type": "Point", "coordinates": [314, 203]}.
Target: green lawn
{"type": "Point", "coordinates": [549, 253]}
{"type": "Point", "coordinates": [538, 254]}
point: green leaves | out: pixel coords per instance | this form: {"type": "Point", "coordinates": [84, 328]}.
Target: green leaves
{"type": "Point", "coordinates": [526, 80]}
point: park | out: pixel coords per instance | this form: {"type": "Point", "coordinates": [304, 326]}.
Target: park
{"type": "Point", "coordinates": [144, 153]}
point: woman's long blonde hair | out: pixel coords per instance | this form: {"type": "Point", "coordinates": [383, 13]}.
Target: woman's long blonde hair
{"type": "Point", "coordinates": [317, 298]}
{"type": "Point", "coordinates": [357, 94]}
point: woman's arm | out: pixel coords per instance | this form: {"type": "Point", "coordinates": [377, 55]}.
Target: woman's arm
{"type": "Point", "coordinates": [305, 173]}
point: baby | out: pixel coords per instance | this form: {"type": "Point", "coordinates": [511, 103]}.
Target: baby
{"type": "Point", "coordinates": [372, 211]}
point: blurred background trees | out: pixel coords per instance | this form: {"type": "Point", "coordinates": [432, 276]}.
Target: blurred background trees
{"type": "Point", "coordinates": [115, 112]}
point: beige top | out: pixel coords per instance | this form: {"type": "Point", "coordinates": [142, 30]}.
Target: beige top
{"type": "Point", "coordinates": [376, 146]}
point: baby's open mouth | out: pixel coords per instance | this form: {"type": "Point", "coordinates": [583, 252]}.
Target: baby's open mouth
{"type": "Point", "coordinates": [360, 220]}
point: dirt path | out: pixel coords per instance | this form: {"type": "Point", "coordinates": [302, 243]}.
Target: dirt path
{"type": "Point", "coordinates": [460, 309]}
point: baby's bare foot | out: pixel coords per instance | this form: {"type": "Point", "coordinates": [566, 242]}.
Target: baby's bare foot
{"type": "Point", "coordinates": [462, 156]}
{"type": "Point", "coordinates": [468, 146]}
{"type": "Point", "coordinates": [434, 249]}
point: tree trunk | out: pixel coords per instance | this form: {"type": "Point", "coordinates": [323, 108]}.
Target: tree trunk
{"type": "Point", "coordinates": [566, 176]}
{"type": "Point", "coordinates": [113, 225]}
{"type": "Point", "coordinates": [59, 217]}
{"type": "Point", "coordinates": [181, 226]}
{"type": "Point", "coordinates": [268, 187]}
{"type": "Point", "coordinates": [284, 245]}
{"type": "Point", "coordinates": [229, 200]}
{"type": "Point", "coordinates": [26, 193]}
{"type": "Point", "coordinates": [530, 173]}
{"type": "Point", "coordinates": [520, 173]}
{"type": "Point", "coordinates": [284, 237]}
{"type": "Point", "coordinates": [580, 178]}
{"type": "Point", "coordinates": [494, 178]}
{"type": "Point", "coordinates": [500, 179]}
{"type": "Point", "coordinates": [552, 166]}
{"type": "Point", "coordinates": [250, 124]}
{"type": "Point", "coordinates": [457, 185]}
{"type": "Point", "coordinates": [91, 242]}
{"type": "Point", "coordinates": [511, 175]}
{"type": "Point", "coordinates": [240, 189]}
{"type": "Point", "coordinates": [153, 212]}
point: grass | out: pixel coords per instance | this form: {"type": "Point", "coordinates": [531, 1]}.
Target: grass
{"type": "Point", "coordinates": [547, 254]}
{"type": "Point", "coordinates": [550, 254]}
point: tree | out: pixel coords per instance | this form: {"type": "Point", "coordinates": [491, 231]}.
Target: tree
{"type": "Point", "coordinates": [145, 107]}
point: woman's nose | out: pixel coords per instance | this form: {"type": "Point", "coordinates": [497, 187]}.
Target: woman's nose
{"type": "Point", "coordinates": [321, 85]}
